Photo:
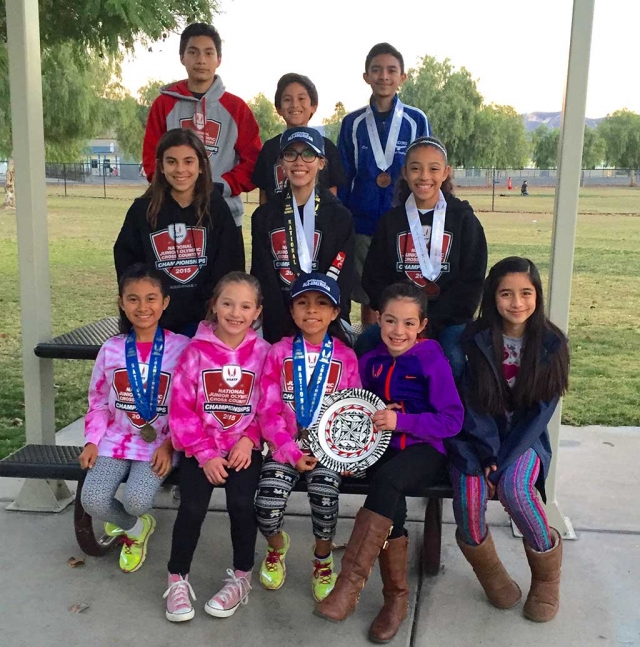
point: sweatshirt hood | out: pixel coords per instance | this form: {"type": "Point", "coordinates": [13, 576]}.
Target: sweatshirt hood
{"type": "Point", "coordinates": [206, 333]}
{"type": "Point", "coordinates": [180, 90]}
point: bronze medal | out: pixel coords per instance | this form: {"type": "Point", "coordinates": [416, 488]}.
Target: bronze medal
{"type": "Point", "coordinates": [383, 180]}
{"type": "Point", "coordinates": [432, 289]}
{"type": "Point", "coordinates": [148, 433]}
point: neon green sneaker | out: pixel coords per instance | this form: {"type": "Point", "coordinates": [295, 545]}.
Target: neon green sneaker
{"type": "Point", "coordinates": [112, 530]}
{"type": "Point", "coordinates": [134, 549]}
{"type": "Point", "coordinates": [323, 578]}
{"type": "Point", "coordinates": [273, 570]}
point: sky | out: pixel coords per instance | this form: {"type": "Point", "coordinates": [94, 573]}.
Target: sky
{"type": "Point", "coordinates": [517, 50]}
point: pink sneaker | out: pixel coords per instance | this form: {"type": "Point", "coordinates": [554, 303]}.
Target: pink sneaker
{"type": "Point", "coordinates": [179, 607]}
{"type": "Point", "coordinates": [234, 593]}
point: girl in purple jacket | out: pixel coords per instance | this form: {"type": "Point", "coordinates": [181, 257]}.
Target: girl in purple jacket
{"type": "Point", "coordinates": [414, 378]}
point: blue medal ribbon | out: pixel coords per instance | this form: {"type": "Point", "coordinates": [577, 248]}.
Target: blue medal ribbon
{"type": "Point", "coordinates": [308, 395]}
{"type": "Point", "coordinates": [146, 400]}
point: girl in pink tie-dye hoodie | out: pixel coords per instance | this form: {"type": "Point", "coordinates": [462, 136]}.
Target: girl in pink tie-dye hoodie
{"type": "Point", "coordinates": [320, 354]}
{"type": "Point", "coordinates": [215, 397]}
{"type": "Point", "coordinates": [123, 438]}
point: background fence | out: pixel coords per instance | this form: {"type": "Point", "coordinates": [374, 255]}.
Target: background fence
{"type": "Point", "coordinates": [127, 181]}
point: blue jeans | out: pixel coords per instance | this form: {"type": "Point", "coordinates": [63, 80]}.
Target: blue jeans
{"type": "Point", "coordinates": [449, 339]}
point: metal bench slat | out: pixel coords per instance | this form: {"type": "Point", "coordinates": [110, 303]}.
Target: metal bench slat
{"type": "Point", "coordinates": [81, 343]}
{"type": "Point", "coordinates": [44, 462]}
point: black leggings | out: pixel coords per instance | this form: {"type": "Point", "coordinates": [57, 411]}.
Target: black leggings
{"type": "Point", "coordinates": [195, 494]}
{"type": "Point", "coordinates": [400, 472]}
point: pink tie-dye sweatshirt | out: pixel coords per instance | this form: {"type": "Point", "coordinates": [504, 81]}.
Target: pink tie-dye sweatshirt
{"type": "Point", "coordinates": [215, 394]}
{"type": "Point", "coordinates": [112, 423]}
{"type": "Point", "coordinates": [276, 415]}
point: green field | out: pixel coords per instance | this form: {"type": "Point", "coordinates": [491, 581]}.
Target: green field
{"type": "Point", "coordinates": [605, 304]}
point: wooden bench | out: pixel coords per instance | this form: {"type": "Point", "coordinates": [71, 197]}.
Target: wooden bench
{"type": "Point", "coordinates": [61, 462]}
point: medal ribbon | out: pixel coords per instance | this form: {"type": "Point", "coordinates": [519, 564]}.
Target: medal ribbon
{"type": "Point", "coordinates": [384, 159]}
{"type": "Point", "coordinates": [146, 400]}
{"type": "Point", "coordinates": [430, 262]}
{"type": "Point", "coordinates": [300, 239]}
{"type": "Point", "coordinates": [308, 394]}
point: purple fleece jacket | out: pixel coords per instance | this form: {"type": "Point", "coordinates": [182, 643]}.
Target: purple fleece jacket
{"type": "Point", "coordinates": [420, 380]}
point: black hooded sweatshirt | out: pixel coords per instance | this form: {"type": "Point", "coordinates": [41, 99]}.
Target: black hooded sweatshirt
{"type": "Point", "coordinates": [270, 265]}
{"type": "Point", "coordinates": [392, 258]}
{"type": "Point", "coordinates": [193, 258]}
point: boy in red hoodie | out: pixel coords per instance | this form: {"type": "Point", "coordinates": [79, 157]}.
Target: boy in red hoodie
{"type": "Point", "coordinates": [222, 120]}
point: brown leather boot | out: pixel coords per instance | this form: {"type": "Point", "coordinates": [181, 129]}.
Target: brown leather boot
{"type": "Point", "coordinates": [543, 600]}
{"type": "Point", "coordinates": [501, 590]}
{"type": "Point", "coordinates": [394, 565]}
{"type": "Point", "coordinates": [367, 539]}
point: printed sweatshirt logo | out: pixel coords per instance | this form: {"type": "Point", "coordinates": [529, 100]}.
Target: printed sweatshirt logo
{"type": "Point", "coordinates": [280, 254]}
{"type": "Point", "coordinates": [124, 396]}
{"type": "Point", "coordinates": [333, 380]}
{"type": "Point", "coordinates": [207, 130]}
{"type": "Point", "coordinates": [228, 393]}
{"type": "Point", "coordinates": [408, 258]}
{"type": "Point", "coordinates": [180, 251]}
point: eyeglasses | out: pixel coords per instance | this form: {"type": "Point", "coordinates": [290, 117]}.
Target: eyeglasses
{"type": "Point", "coordinates": [308, 155]}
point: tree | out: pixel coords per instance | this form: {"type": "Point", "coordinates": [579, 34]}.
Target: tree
{"type": "Point", "coordinates": [268, 119]}
{"type": "Point", "coordinates": [332, 124]}
{"type": "Point", "coordinates": [593, 149]}
{"type": "Point", "coordinates": [128, 117]}
{"type": "Point", "coordinates": [78, 35]}
{"type": "Point", "coordinates": [621, 133]}
{"type": "Point", "coordinates": [451, 101]}
{"type": "Point", "coordinates": [499, 139]}
{"type": "Point", "coordinates": [544, 143]}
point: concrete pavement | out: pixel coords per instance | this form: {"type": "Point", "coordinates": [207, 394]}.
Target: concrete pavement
{"type": "Point", "coordinates": [598, 488]}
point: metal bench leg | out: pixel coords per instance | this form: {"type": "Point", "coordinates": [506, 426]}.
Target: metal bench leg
{"type": "Point", "coordinates": [432, 545]}
{"type": "Point", "coordinates": [85, 535]}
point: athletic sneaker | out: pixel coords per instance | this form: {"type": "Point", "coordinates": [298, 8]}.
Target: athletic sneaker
{"type": "Point", "coordinates": [323, 578]}
{"type": "Point", "coordinates": [134, 549]}
{"type": "Point", "coordinates": [179, 607]}
{"type": "Point", "coordinates": [273, 570]}
{"type": "Point", "coordinates": [112, 530]}
{"type": "Point", "coordinates": [234, 593]}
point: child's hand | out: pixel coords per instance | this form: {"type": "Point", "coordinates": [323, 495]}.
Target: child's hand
{"type": "Point", "coordinates": [88, 456]}
{"type": "Point", "coordinates": [490, 485]}
{"type": "Point", "coordinates": [161, 459]}
{"type": "Point", "coordinates": [306, 463]}
{"type": "Point", "coordinates": [240, 455]}
{"type": "Point", "coordinates": [214, 470]}
{"type": "Point", "coordinates": [387, 420]}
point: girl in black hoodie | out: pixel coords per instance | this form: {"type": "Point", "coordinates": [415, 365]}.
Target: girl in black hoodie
{"type": "Point", "coordinates": [402, 251]}
{"type": "Point", "coordinates": [183, 227]}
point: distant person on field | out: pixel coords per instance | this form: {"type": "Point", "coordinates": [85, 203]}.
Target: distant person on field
{"type": "Point", "coordinates": [296, 101]}
{"type": "Point", "coordinates": [222, 120]}
{"type": "Point", "coordinates": [524, 189]}
{"type": "Point", "coordinates": [373, 141]}
{"type": "Point", "coordinates": [183, 228]}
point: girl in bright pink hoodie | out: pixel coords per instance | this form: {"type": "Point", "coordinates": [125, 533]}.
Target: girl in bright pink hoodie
{"type": "Point", "coordinates": [215, 396]}
{"type": "Point", "coordinates": [298, 372]}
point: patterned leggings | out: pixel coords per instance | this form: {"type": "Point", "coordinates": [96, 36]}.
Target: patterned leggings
{"type": "Point", "coordinates": [276, 482]}
{"type": "Point", "coordinates": [516, 491]}
{"type": "Point", "coordinates": [102, 482]}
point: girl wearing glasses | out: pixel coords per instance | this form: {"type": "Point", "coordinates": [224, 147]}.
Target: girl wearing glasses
{"type": "Point", "coordinates": [302, 229]}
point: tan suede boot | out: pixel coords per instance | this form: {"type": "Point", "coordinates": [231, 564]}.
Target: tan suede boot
{"type": "Point", "coordinates": [394, 565]}
{"type": "Point", "coordinates": [543, 600]}
{"type": "Point", "coordinates": [501, 590]}
{"type": "Point", "coordinates": [367, 539]}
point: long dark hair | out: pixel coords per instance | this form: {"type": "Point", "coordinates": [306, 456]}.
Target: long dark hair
{"type": "Point", "coordinates": [402, 187]}
{"type": "Point", "coordinates": [138, 272]}
{"type": "Point", "coordinates": [540, 378]}
{"type": "Point", "coordinates": [159, 187]}
{"type": "Point", "coordinates": [228, 279]}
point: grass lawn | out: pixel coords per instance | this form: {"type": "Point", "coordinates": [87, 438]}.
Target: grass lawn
{"type": "Point", "coordinates": [605, 304]}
